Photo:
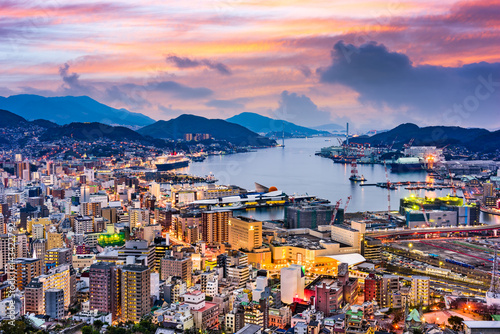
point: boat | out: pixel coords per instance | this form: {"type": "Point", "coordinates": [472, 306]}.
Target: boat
{"type": "Point", "coordinates": [210, 178]}
{"type": "Point", "coordinates": [354, 173]}
{"type": "Point", "coordinates": [170, 162]}
{"type": "Point", "coordinates": [407, 164]}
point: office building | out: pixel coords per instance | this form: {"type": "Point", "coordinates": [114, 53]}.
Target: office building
{"type": "Point", "coordinates": [245, 233]}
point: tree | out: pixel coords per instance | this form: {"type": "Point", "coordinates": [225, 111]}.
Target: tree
{"type": "Point", "coordinates": [456, 322]}
{"type": "Point", "coordinates": [17, 327]}
{"type": "Point", "coordinates": [98, 324]}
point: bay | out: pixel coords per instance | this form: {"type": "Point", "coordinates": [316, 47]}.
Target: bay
{"type": "Point", "coordinates": [295, 169]}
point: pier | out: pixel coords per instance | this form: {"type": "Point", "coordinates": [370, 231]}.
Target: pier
{"type": "Point", "coordinates": [410, 185]}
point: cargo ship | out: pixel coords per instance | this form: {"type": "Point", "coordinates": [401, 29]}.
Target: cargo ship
{"type": "Point", "coordinates": [407, 164]}
{"type": "Point", "coordinates": [170, 162]}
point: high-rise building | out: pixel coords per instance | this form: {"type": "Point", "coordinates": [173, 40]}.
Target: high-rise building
{"type": "Point", "coordinates": [135, 292]}
{"type": "Point", "coordinates": [4, 250]}
{"type": "Point", "coordinates": [57, 278]}
{"type": "Point", "coordinates": [245, 233]}
{"type": "Point", "coordinates": [23, 270]}
{"type": "Point", "coordinates": [54, 303]}
{"type": "Point", "coordinates": [419, 293]}
{"type": "Point", "coordinates": [178, 265]}
{"type": "Point", "coordinates": [104, 289]}
{"type": "Point", "coordinates": [215, 226]}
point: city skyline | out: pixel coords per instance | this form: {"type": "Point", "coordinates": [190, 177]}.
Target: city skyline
{"type": "Point", "coordinates": [309, 63]}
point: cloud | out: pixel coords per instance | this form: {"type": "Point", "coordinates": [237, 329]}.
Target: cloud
{"type": "Point", "coordinates": [305, 70]}
{"type": "Point", "coordinates": [385, 78]}
{"type": "Point", "coordinates": [300, 109]}
{"type": "Point", "coordinates": [227, 104]}
{"type": "Point", "coordinates": [72, 84]}
{"type": "Point", "coordinates": [185, 62]}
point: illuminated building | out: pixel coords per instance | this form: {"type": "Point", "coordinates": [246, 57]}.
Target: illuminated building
{"type": "Point", "coordinates": [215, 228]}
{"type": "Point", "coordinates": [57, 278]}
{"type": "Point", "coordinates": [466, 214]}
{"type": "Point", "coordinates": [245, 233]}
{"type": "Point", "coordinates": [419, 293]}
{"type": "Point", "coordinates": [54, 239]}
{"type": "Point", "coordinates": [135, 292]}
{"type": "Point", "coordinates": [59, 256]}
{"type": "Point", "coordinates": [23, 270]}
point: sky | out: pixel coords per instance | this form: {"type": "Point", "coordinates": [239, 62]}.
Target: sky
{"type": "Point", "coordinates": [372, 63]}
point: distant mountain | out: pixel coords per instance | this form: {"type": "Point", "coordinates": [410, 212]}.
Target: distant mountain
{"type": "Point", "coordinates": [480, 140]}
{"type": "Point", "coordinates": [219, 129]}
{"type": "Point", "coordinates": [271, 127]}
{"type": "Point", "coordinates": [90, 132]}
{"type": "Point", "coordinates": [331, 127]}
{"type": "Point", "coordinates": [68, 109]}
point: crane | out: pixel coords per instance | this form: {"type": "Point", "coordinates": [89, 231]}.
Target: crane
{"type": "Point", "coordinates": [409, 144]}
{"type": "Point", "coordinates": [425, 215]}
{"type": "Point", "coordinates": [347, 203]}
{"type": "Point", "coordinates": [454, 189]}
{"type": "Point", "coordinates": [388, 190]}
{"type": "Point", "coordinates": [335, 210]}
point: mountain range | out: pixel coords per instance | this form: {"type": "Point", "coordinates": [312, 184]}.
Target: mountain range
{"type": "Point", "coordinates": [272, 127]}
{"type": "Point", "coordinates": [479, 140]}
{"type": "Point", "coordinates": [219, 129]}
{"type": "Point", "coordinates": [152, 134]}
{"type": "Point", "coordinates": [69, 109]}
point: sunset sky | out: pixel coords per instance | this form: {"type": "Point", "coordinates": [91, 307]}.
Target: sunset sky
{"type": "Point", "coordinates": [373, 63]}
